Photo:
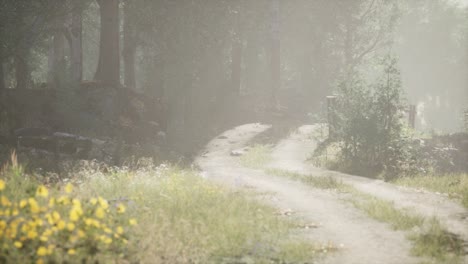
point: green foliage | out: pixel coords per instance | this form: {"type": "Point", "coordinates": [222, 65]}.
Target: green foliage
{"type": "Point", "coordinates": [438, 244]}
{"type": "Point", "coordinates": [369, 127]}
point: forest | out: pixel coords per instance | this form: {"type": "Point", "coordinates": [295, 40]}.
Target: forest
{"type": "Point", "coordinates": [233, 131]}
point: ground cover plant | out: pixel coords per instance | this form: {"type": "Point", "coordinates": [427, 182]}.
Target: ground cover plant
{"type": "Point", "coordinates": [455, 186]}
{"type": "Point", "coordinates": [256, 157]}
{"type": "Point", "coordinates": [53, 225]}
{"type": "Point", "coordinates": [153, 214]}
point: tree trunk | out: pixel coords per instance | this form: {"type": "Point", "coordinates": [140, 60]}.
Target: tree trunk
{"type": "Point", "coordinates": [22, 70]}
{"type": "Point", "coordinates": [57, 63]}
{"type": "Point", "coordinates": [2, 76]}
{"type": "Point", "coordinates": [76, 46]}
{"type": "Point", "coordinates": [275, 52]}
{"type": "Point", "coordinates": [129, 50]}
{"type": "Point", "coordinates": [108, 70]}
{"type": "Point", "coordinates": [236, 67]}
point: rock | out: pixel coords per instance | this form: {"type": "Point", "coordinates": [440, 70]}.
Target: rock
{"type": "Point", "coordinates": [237, 153]}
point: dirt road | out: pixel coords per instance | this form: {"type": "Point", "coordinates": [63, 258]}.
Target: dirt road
{"type": "Point", "coordinates": [363, 239]}
{"type": "Point", "coordinates": [291, 154]}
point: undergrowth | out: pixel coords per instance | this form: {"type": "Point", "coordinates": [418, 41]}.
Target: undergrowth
{"type": "Point", "coordinates": [153, 214]}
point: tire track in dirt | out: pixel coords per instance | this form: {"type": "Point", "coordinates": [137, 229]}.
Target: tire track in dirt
{"type": "Point", "coordinates": [291, 154]}
{"type": "Point", "coordinates": [364, 240]}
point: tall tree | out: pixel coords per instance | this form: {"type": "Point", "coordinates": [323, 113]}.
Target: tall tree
{"type": "Point", "coordinates": [22, 68]}
{"type": "Point", "coordinates": [108, 70]}
{"type": "Point", "coordinates": [57, 62]}
{"type": "Point", "coordinates": [275, 43]}
{"type": "Point", "coordinates": [75, 38]}
{"type": "Point", "coordinates": [367, 26]}
{"type": "Point", "coordinates": [2, 75]}
{"type": "Point", "coordinates": [236, 54]}
{"type": "Point", "coordinates": [130, 44]}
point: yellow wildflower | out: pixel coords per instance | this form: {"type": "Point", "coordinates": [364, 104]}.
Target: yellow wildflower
{"type": "Point", "coordinates": [93, 201]}
{"type": "Point", "coordinates": [52, 202]}
{"type": "Point", "coordinates": [61, 225]}
{"type": "Point", "coordinates": [23, 203]}
{"type": "Point", "coordinates": [55, 216]}
{"type": "Point", "coordinates": [121, 209]}
{"type": "Point", "coordinates": [34, 207]}
{"type": "Point", "coordinates": [42, 191]}
{"type": "Point", "coordinates": [2, 185]}
{"type": "Point", "coordinates": [18, 244]}
{"type": "Point", "coordinates": [69, 188]}
{"type": "Point", "coordinates": [103, 203]}
{"type": "Point", "coordinates": [70, 226]}
{"type": "Point", "coordinates": [100, 213]}
{"type": "Point", "coordinates": [32, 234]}
{"type": "Point", "coordinates": [74, 215]}
{"type": "Point", "coordinates": [132, 222]}
{"type": "Point", "coordinates": [4, 201]}
{"type": "Point", "coordinates": [120, 230]}
{"type": "Point", "coordinates": [63, 200]}
{"type": "Point", "coordinates": [71, 251]}
{"type": "Point", "coordinates": [42, 251]}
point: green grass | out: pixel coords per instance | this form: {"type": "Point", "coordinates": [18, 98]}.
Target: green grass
{"type": "Point", "coordinates": [185, 219]}
{"type": "Point", "coordinates": [319, 182]}
{"type": "Point", "coordinates": [385, 211]}
{"type": "Point", "coordinates": [430, 239]}
{"type": "Point", "coordinates": [456, 186]}
{"type": "Point", "coordinates": [257, 157]}
{"type": "Point", "coordinates": [436, 243]}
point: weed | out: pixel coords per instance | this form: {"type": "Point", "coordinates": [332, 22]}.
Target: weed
{"type": "Point", "coordinates": [320, 182]}
{"type": "Point", "coordinates": [456, 186]}
{"type": "Point", "coordinates": [257, 157]}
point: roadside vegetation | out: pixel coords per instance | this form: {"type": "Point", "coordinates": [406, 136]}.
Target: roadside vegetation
{"type": "Point", "coordinates": [453, 185]}
{"type": "Point", "coordinates": [257, 157]}
{"type": "Point", "coordinates": [430, 238]}
{"type": "Point", "coordinates": [152, 215]}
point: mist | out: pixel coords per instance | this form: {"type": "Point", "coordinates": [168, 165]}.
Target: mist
{"type": "Point", "coordinates": [234, 131]}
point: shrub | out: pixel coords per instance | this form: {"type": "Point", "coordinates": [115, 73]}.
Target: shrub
{"type": "Point", "coordinates": [369, 128]}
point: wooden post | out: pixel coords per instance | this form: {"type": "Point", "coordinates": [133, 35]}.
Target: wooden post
{"type": "Point", "coordinates": [412, 116]}
{"type": "Point", "coordinates": [331, 103]}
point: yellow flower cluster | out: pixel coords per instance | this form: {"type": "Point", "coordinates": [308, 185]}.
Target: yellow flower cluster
{"type": "Point", "coordinates": [59, 227]}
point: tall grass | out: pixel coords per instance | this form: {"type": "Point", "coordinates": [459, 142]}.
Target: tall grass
{"type": "Point", "coordinates": [455, 186]}
{"type": "Point", "coordinates": [182, 218]}
{"type": "Point", "coordinates": [185, 219]}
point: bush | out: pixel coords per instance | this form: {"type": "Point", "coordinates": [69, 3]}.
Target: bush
{"type": "Point", "coordinates": [369, 129]}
